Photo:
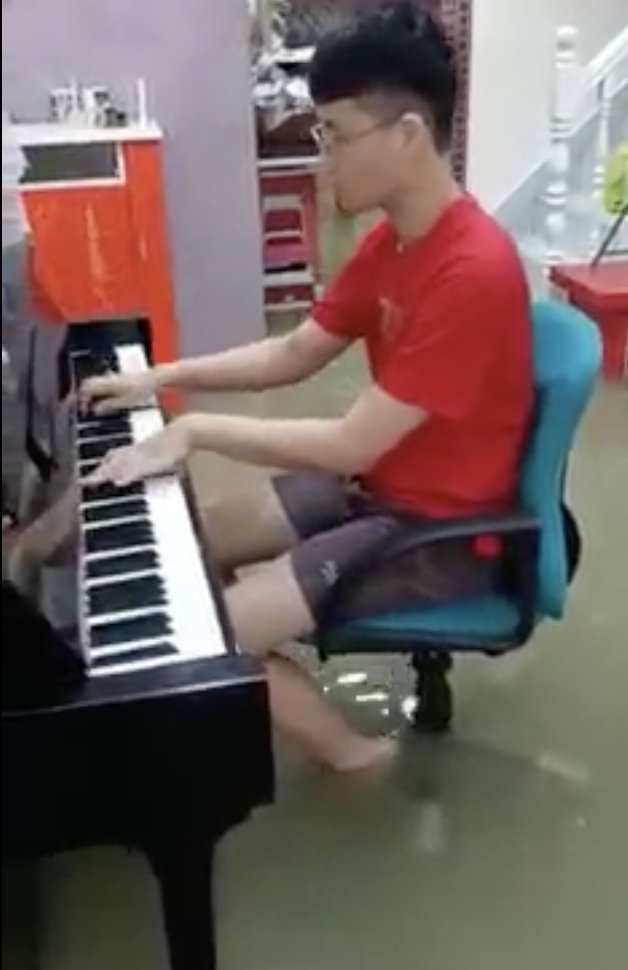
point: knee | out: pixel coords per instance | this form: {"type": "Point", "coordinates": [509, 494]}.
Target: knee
{"type": "Point", "coordinates": [267, 610]}
{"type": "Point", "coordinates": [215, 523]}
{"type": "Point", "coordinates": [248, 622]}
{"type": "Point", "coordinates": [212, 512]}
{"type": "Point", "coordinates": [245, 528]}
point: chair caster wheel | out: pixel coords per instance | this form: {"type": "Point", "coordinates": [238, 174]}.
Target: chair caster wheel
{"type": "Point", "coordinates": [435, 699]}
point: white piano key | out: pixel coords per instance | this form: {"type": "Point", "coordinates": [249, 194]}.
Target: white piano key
{"type": "Point", "coordinates": [121, 667]}
{"type": "Point", "coordinates": [99, 581]}
{"type": "Point", "coordinates": [132, 360]}
{"type": "Point", "coordinates": [146, 422]}
{"type": "Point", "coordinates": [196, 629]}
{"type": "Point", "coordinates": [122, 616]}
{"type": "Point", "coordinates": [115, 650]}
{"type": "Point", "coordinates": [90, 557]}
{"type": "Point", "coordinates": [97, 502]}
{"type": "Point", "coordinates": [122, 519]}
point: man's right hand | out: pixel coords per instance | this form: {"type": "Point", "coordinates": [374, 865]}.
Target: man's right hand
{"type": "Point", "coordinates": [117, 392]}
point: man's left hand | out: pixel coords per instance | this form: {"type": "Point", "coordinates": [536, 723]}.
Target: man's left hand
{"type": "Point", "coordinates": [161, 454]}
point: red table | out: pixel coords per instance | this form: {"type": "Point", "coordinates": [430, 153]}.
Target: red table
{"type": "Point", "coordinates": [602, 293]}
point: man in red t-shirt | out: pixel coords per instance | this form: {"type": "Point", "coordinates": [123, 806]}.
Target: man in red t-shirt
{"type": "Point", "coordinates": [438, 295]}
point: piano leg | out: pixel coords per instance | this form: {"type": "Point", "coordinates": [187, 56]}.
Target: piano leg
{"type": "Point", "coordinates": [22, 914]}
{"type": "Point", "coordinates": [184, 869]}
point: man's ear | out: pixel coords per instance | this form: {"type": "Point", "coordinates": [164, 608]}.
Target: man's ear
{"type": "Point", "coordinates": [414, 127]}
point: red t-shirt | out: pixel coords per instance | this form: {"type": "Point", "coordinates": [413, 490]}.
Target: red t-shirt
{"type": "Point", "coordinates": [447, 326]}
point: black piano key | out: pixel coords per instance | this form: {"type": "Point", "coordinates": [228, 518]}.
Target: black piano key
{"type": "Point", "coordinates": [123, 565]}
{"type": "Point", "coordinates": [118, 537]}
{"type": "Point", "coordinates": [148, 627]}
{"type": "Point", "coordinates": [97, 450]}
{"type": "Point", "coordinates": [95, 426]}
{"type": "Point", "coordinates": [128, 508]}
{"type": "Point", "coordinates": [108, 492]}
{"type": "Point", "coordinates": [87, 467]}
{"type": "Point", "coordinates": [86, 365]}
{"type": "Point", "coordinates": [156, 651]}
{"type": "Point", "coordinates": [132, 594]}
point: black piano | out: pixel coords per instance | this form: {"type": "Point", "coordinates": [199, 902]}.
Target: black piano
{"type": "Point", "coordinates": [154, 731]}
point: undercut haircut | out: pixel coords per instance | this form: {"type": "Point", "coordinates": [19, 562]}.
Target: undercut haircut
{"type": "Point", "coordinates": [396, 59]}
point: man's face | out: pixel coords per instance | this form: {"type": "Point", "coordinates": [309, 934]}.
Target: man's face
{"type": "Point", "coordinates": [366, 156]}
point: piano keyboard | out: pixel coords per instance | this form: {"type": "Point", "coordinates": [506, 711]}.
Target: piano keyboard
{"type": "Point", "coordinates": [146, 598]}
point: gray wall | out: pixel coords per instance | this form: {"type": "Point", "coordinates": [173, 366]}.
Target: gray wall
{"type": "Point", "coordinates": [194, 56]}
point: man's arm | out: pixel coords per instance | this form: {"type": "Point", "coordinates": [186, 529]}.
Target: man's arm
{"type": "Point", "coordinates": [341, 316]}
{"type": "Point", "coordinates": [267, 364]}
{"type": "Point", "coordinates": [349, 445]}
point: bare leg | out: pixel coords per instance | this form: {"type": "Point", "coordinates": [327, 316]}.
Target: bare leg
{"type": "Point", "coordinates": [39, 542]}
{"type": "Point", "coordinates": [267, 609]}
{"type": "Point", "coordinates": [246, 528]}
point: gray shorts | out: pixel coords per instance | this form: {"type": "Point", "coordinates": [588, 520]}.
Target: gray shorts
{"type": "Point", "coordinates": [346, 561]}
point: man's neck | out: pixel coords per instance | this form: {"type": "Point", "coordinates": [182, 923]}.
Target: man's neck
{"type": "Point", "coordinates": [415, 211]}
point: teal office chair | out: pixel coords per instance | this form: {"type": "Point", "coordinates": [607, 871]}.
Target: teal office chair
{"type": "Point", "coordinates": [541, 540]}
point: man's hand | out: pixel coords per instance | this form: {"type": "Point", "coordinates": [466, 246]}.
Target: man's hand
{"type": "Point", "coordinates": [161, 454]}
{"type": "Point", "coordinates": [117, 392]}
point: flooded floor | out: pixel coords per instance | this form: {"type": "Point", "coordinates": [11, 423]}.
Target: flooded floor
{"type": "Point", "coordinates": [502, 846]}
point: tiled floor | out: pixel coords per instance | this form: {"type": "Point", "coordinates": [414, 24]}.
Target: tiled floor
{"type": "Point", "coordinates": [503, 847]}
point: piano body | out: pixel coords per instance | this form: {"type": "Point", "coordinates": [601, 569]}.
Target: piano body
{"type": "Point", "coordinates": [158, 738]}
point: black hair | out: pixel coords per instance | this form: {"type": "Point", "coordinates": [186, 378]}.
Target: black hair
{"type": "Point", "coordinates": [397, 52]}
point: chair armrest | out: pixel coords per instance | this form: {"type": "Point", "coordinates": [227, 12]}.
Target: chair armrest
{"type": "Point", "coordinates": [520, 535]}
{"type": "Point", "coordinates": [507, 525]}
{"type": "Point", "coordinates": [519, 532]}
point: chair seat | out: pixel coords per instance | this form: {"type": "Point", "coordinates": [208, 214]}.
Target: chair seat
{"type": "Point", "coordinates": [489, 621]}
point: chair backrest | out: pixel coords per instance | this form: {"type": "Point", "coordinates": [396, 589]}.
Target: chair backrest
{"type": "Point", "coordinates": [568, 360]}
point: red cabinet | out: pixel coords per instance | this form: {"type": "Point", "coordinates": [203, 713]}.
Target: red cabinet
{"type": "Point", "coordinates": [95, 204]}
{"type": "Point", "coordinates": [602, 293]}
{"type": "Point", "coordinates": [84, 257]}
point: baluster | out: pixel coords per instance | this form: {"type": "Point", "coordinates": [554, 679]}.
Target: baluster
{"type": "Point", "coordinates": [566, 78]}
{"type": "Point", "coordinates": [602, 149]}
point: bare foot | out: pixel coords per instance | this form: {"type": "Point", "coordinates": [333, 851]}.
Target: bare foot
{"type": "Point", "coordinates": [367, 754]}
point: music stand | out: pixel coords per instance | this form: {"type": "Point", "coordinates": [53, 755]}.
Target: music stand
{"type": "Point", "coordinates": [611, 235]}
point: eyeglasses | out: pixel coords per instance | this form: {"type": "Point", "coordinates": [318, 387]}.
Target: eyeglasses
{"type": "Point", "coordinates": [327, 141]}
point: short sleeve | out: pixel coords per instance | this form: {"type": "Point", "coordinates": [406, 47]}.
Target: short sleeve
{"type": "Point", "coordinates": [446, 348]}
{"type": "Point", "coordinates": [348, 307]}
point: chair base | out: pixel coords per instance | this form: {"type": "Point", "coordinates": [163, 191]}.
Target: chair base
{"type": "Point", "coordinates": [434, 712]}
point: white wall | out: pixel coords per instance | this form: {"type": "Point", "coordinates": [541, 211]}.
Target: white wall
{"type": "Point", "coordinates": [511, 81]}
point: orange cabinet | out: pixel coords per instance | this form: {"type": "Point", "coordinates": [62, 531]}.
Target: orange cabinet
{"type": "Point", "coordinates": [84, 257]}
{"type": "Point", "coordinates": [95, 204]}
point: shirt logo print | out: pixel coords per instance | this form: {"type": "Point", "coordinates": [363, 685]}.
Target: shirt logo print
{"type": "Point", "coordinates": [330, 573]}
{"type": "Point", "coordinates": [390, 318]}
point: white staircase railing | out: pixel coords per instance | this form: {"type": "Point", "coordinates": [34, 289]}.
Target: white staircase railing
{"type": "Point", "coordinates": [557, 212]}
{"type": "Point", "coordinates": [594, 101]}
